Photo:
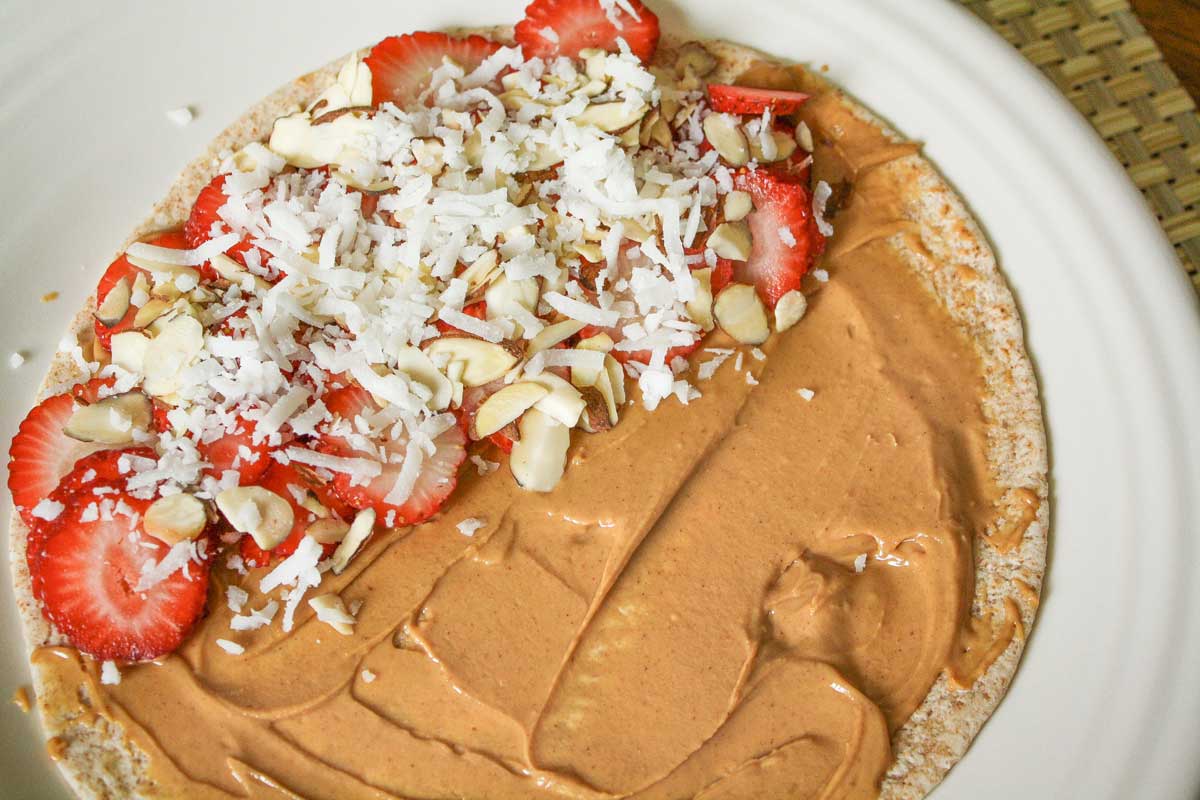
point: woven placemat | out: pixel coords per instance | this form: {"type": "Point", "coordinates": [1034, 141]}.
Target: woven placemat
{"type": "Point", "coordinates": [1106, 64]}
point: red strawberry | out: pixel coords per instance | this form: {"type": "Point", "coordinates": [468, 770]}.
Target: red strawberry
{"type": "Point", "coordinates": [41, 453]}
{"type": "Point", "coordinates": [121, 268]}
{"type": "Point", "coordinates": [401, 65]}
{"type": "Point", "coordinates": [287, 481]}
{"type": "Point", "coordinates": [253, 555]}
{"type": "Point", "coordinates": [224, 452]}
{"type": "Point", "coordinates": [745, 100]}
{"type": "Point", "coordinates": [96, 470]}
{"type": "Point", "coordinates": [201, 221]}
{"type": "Point", "coordinates": [775, 268]}
{"type": "Point", "coordinates": [580, 24]}
{"type": "Point", "coordinates": [86, 575]}
{"type": "Point", "coordinates": [437, 478]}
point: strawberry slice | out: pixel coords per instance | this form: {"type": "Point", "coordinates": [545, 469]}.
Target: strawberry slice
{"type": "Point", "coordinates": [121, 268]}
{"type": "Point", "coordinates": [101, 470]}
{"type": "Point", "coordinates": [775, 267]}
{"type": "Point", "coordinates": [226, 453]}
{"type": "Point", "coordinates": [434, 483]}
{"type": "Point", "coordinates": [205, 221]}
{"type": "Point", "coordinates": [580, 24]}
{"type": "Point", "coordinates": [87, 574]}
{"type": "Point", "coordinates": [401, 65]}
{"type": "Point", "coordinates": [746, 100]}
{"type": "Point", "coordinates": [41, 453]}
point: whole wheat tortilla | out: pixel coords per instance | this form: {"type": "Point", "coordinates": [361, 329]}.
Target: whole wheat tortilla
{"type": "Point", "coordinates": [99, 762]}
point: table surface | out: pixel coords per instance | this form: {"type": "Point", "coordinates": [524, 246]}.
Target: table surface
{"type": "Point", "coordinates": [1175, 26]}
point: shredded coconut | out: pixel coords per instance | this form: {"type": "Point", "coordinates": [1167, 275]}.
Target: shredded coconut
{"type": "Point", "coordinates": [110, 675]}
{"type": "Point", "coordinates": [469, 526]}
{"type": "Point", "coordinates": [233, 648]}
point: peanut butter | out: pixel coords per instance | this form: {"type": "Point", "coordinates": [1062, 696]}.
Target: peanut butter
{"type": "Point", "coordinates": [720, 600]}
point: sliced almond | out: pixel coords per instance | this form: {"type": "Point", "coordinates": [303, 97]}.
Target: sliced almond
{"type": "Point", "coordinates": [553, 334]}
{"type": "Point", "coordinates": [603, 386]}
{"type": "Point", "coordinates": [420, 368]}
{"type": "Point", "coordinates": [314, 506]}
{"type": "Point", "coordinates": [629, 137]}
{"type": "Point", "coordinates": [563, 401]}
{"type": "Point", "coordinates": [332, 611]}
{"type": "Point", "coordinates": [482, 271]}
{"type": "Point", "coordinates": [175, 518]}
{"type": "Point", "coordinates": [741, 314]}
{"type": "Point", "coordinates": [539, 457]}
{"type": "Point", "coordinates": [360, 529]}
{"type": "Point", "coordinates": [505, 406]}
{"type": "Point", "coordinates": [784, 147]}
{"type": "Point", "coordinates": [595, 417]}
{"type": "Point", "coordinates": [695, 60]}
{"type": "Point", "coordinates": [610, 117]}
{"type": "Point", "coordinates": [594, 60]}
{"type": "Point", "coordinates": [804, 137]}
{"type": "Point", "coordinates": [169, 353]}
{"type": "Point", "coordinates": [587, 376]}
{"type": "Point", "coordinates": [182, 278]}
{"type": "Point", "coordinates": [113, 420]}
{"type": "Point", "coordinates": [616, 377]}
{"type": "Point", "coordinates": [115, 304]}
{"type": "Point", "coordinates": [636, 231]}
{"type": "Point", "coordinates": [484, 361]}
{"type": "Point", "coordinates": [732, 240]}
{"type": "Point", "coordinates": [589, 250]}
{"type": "Point", "coordinates": [508, 298]}
{"type": "Point", "coordinates": [259, 512]}
{"type": "Point", "coordinates": [726, 137]}
{"type": "Point", "coordinates": [155, 307]}
{"type": "Point", "coordinates": [592, 88]}
{"type": "Point", "coordinates": [738, 206]}
{"type": "Point", "coordinates": [454, 372]}
{"type": "Point", "coordinates": [790, 309]}
{"type": "Point", "coordinates": [328, 531]}
{"type": "Point", "coordinates": [647, 123]}
{"type": "Point", "coordinates": [234, 272]}
{"type": "Point", "coordinates": [129, 350]}
{"type": "Point", "coordinates": [660, 134]}
{"type": "Point", "coordinates": [699, 308]}
{"type": "Point", "coordinates": [601, 342]}
{"type": "Point", "coordinates": [545, 156]}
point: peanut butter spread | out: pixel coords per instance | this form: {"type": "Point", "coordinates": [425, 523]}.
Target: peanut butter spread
{"type": "Point", "coordinates": [742, 597]}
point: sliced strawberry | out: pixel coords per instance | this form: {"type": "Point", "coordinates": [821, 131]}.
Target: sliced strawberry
{"type": "Point", "coordinates": [205, 220]}
{"type": "Point", "coordinates": [287, 481]}
{"type": "Point", "coordinates": [745, 100]}
{"type": "Point", "coordinates": [253, 555]}
{"type": "Point", "coordinates": [401, 65]}
{"type": "Point", "coordinates": [775, 268]}
{"type": "Point", "coordinates": [98, 470]}
{"type": "Point", "coordinates": [226, 453]}
{"type": "Point", "coordinates": [434, 483]}
{"type": "Point", "coordinates": [121, 268]}
{"type": "Point", "coordinates": [580, 24]}
{"type": "Point", "coordinates": [86, 576]}
{"type": "Point", "coordinates": [41, 453]}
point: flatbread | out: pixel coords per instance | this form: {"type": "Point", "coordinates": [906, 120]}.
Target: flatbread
{"type": "Point", "coordinates": [99, 763]}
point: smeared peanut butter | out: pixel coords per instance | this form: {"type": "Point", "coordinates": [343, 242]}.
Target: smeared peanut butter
{"type": "Point", "coordinates": [719, 600]}
{"type": "Point", "coordinates": [20, 699]}
{"type": "Point", "coordinates": [1010, 531]}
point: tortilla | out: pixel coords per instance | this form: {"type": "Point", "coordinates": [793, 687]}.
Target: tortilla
{"type": "Point", "coordinates": [956, 263]}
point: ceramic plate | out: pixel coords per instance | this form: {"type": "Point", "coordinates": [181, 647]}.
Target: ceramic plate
{"type": "Point", "coordinates": [1107, 702]}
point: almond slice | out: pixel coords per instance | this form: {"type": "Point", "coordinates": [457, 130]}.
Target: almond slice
{"type": "Point", "coordinates": [234, 272]}
{"type": "Point", "coordinates": [332, 611]}
{"type": "Point", "coordinates": [732, 240]}
{"type": "Point", "coordinates": [113, 420]}
{"type": "Point", "coordinates": [790, 309]}
{"type": "Point", "coordinates": [312, 504]}
{"type": "Point", "coordinates": [154, 308]}
{"type": "Point", "coordinates": [115, 305]}
{"type": "Point", "coordinates": [727, 139]}
{"type": "Point", "coordinates": [586, 376]}
{"type": "Point", "coordinates": [420, 369]}
{"type": "Point", "coordinates": [482, 271]}
{"type": "Point", "coordinates": [182, 278]}
{"type": "Point", "coordinates": [505, 406]}
{"type": "Point", "coordinates": [509, 298]}
{"type": "Point", "coordinates": [266, 516]}
{"type": "Point", "coordinates": [484, 361]}
{"type": "Point", "coordinates": [360, 529]}
{"type": "Point", "coordinates": [129, 350]}
{"type": "Point", "coordinates": [179, 341]}
{"type": "Point", "coordinates": [328, 531]}
{"type": "Point", "coordinates": [784, 147]}
{"type": "Point", "coordinates": [741, 314]}
{"type": "Point", "coordinates": [563, 403]}
{"type": "Point", "coordinates": [604, 387]}
{"type": "Point", "coordinates": [175, 518]}
{"type": "Point", "coordinates": [611, 117]}
{"type": "Point", "coordinates": [539, 457]}
{"type": "Point", "coordinates": [553, 334]}
{"type": "Point", "coordinates": [616, 377]}
{"type": "Point", "coordinates": [699, 308]}
{"type": "Point", "coordinates": [738, 206]}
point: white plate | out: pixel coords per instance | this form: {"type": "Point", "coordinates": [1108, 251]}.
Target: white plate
{"type": "Point", "coordinates": [1107, 701]}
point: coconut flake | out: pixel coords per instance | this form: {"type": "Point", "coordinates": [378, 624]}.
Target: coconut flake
{"type": "Point", "coordinates": [233, 648]}
{"type": "Point", "coordinates": [469, 526]}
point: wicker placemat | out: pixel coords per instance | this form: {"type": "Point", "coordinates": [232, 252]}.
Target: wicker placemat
{"type": "Point", "coordinates": [1101, 57]}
